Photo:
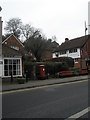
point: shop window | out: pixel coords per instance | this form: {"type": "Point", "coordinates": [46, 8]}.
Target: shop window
{"type": "Point", "coordinates": [12, 66]}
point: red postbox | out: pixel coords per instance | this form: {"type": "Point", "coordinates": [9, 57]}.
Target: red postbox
{"type": "Point", "coordinates": [42, 71]}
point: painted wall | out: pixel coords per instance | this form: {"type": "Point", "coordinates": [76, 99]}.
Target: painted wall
{"type": "Point", "coordinates": [72, 55]}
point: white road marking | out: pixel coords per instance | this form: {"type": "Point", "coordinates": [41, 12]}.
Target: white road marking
{"type": "Point", "coordinates": [29, 89]}
{"type": "Point", "coordinates": [79, 114]}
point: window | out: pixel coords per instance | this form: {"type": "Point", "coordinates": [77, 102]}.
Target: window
{"type": "Point", "coordinates": [56, 54]}
{"type": "Point", "coordinates": [12, 66]}
{"type": "Point", "coordinates": [15, 47]}
{"type": "Point", "coordinates": [76, 60]}
{"type": "Point", "coordinates": [62, 52]}
{"type": "Point", "coordinates": [72, 50]}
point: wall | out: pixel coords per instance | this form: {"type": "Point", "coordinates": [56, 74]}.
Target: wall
{"type": "Point", "coordinates": [81, 63]}
{"type": "Point", "coordinates": [88, 48]}
{"type": "Point", "coordinates": [13, 41]}
{"type": "Point", "coordinates": [72, 55]}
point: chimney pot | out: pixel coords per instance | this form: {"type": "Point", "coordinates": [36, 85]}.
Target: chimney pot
{"type": "Point", "coordinates": [66, 39]}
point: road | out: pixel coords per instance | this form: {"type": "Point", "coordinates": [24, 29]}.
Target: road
{"type": "Point", "coordinates": [56, 101]}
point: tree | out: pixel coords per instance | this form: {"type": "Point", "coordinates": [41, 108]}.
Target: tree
{"type": "Point", "coordinates": [14, 26]}
{"type": "Point", "coordinates": [27, 31]}
{"type": "Point", "coordinates": [37, 44]}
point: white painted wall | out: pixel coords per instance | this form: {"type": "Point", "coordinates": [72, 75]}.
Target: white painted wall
{"type": "Point", "coordinates": [89, 17]}
{"type": "Point", "coordinates": [72, 55]}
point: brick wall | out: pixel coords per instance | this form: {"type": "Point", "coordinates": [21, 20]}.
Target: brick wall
{"type": "Point", "coordinates": [89, 47]}
{"type": "Point", "coordinates": [12, 41]}
{"type": "Point", "coordinates": [85, 53]}
{"type": "Point", "coordinates": [78, 64]}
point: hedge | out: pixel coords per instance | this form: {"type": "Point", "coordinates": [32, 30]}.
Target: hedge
{"type": "Point", "coordinates": [51, 68]}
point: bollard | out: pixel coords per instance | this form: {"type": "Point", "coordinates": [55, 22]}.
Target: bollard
{"type": "Point", "coordinates": [26, 76]}
{"type": "Point", "coordinates": [11, 77]}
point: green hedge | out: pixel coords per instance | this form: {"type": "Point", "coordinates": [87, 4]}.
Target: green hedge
{"type": "Point", "coordinates": [51, 68]}
{"type": "Point", "coordinates": [68, 60]}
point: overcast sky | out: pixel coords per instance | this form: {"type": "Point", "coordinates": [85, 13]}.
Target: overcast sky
{"type": "Point", "coordinates": [62, 18]}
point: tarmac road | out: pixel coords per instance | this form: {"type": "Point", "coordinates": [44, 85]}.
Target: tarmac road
{"type": "Point", "coordinates": [56, 101]}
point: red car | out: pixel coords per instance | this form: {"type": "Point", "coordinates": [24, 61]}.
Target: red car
{"type": "Point", "coordinates": [65, 73]}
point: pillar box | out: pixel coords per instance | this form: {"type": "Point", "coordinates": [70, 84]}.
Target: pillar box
{"type": "Point", "coordinates": [42, 71]}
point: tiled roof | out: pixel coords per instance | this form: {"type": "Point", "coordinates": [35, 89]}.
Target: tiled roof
{"type": "Point", "coordinates": [73, 43]}
{"type": "Point", "coordinates": [9, 52]}
{"type": "Point", "coordinates": [52, 45]}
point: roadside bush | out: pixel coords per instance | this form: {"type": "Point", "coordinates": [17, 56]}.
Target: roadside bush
{"type": "Point", "coordinates": [68, 60]}
{"type": "Point", "coordinates": [28, 67]}
{"type": "Point", "coordinates": [51, 68]}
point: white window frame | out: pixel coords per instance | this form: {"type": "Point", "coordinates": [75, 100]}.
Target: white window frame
{"type": "Point", "coordinates": [20, 65]}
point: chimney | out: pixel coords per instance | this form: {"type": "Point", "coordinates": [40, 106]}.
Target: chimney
{"type": "Point", "coordinates": [66, 39]}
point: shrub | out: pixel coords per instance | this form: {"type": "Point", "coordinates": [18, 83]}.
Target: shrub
{"type": "Point", "coordinates": [51, 68]}
{"type": "Point", "coordinates": [68, 60]}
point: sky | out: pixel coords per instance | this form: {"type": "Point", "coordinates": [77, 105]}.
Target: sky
{"type": "Point", "coordinates": [60, 18]}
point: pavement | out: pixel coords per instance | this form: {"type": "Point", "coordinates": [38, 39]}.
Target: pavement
{"type": "Point", "coordinates": [38, 83]}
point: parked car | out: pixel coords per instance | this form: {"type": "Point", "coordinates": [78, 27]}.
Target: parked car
{"type": "Point", "coordinates": [65, 73]}
{"type": "Point", "coordinates": [83, 72]}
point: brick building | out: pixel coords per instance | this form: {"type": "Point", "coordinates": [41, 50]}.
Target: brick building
{"type": "Point", "coordinates": [12, 51]}
{"type": "Point", "coordinates": [12, 62]}
{"type": "Point", "coordinates": [77, 48]}
{"type": "Point", "coordinates": [52, 46]}
{"type": "Point", "coordinates": [14, 43]}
